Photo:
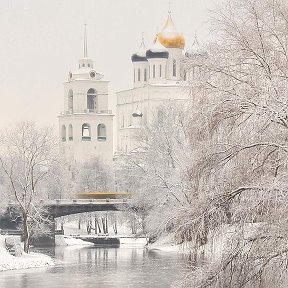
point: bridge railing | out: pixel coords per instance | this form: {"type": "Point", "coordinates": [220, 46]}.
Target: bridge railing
{"type": "Point", "coordinates": [10, 232]}
{"type": "Point", "coordinates": [85, 201]}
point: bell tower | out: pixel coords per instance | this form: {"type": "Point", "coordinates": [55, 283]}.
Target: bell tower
{"type": "Point", "coordinates": [86, 123]}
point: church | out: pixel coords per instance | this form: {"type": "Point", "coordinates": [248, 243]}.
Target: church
{"type": "Point", "coordinates": [86, 124]}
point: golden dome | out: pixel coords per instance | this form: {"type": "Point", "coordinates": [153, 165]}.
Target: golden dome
{"type": "Point", "coordinates": [169, 37]}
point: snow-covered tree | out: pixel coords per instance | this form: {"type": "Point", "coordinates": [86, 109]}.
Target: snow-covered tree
{"type": "Point", "coordinates": [94, 176]}
{"type": "Point", "coordinates": [158, 172]}
{"type": "Point", "coordinates": [240, 152]}
{"type": "Point", "coordinates": [27, 153]}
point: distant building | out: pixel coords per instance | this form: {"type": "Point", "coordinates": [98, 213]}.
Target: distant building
{"type": "Point", "coordinates": [158, 78]}
{"type": "Point", "coordinates": [86, 124]}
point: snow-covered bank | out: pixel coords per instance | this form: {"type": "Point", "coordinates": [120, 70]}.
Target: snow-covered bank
{"type": "Point", "coordinates": [133, 241]}
{"type": "Point", "coordinates": [61, 240]}
{"type": "Point", "coordinates": [167, 244]}
{"type": "Point", "coordinates": [31, 260]}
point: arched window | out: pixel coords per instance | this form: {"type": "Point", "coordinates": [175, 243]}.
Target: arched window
{"type": "Point", "coordinates": [91, 100]}
{"type": "Point", "coordinates": [154, 71]}
{"type": "Point", "coordinates": [70, 132]}
{"type": "Point", "coordinates": [101, 132]}
{"type": "Point", "coordinates": [70, 101]}
{"type": "Point", "coordinates": [86, 132]}
{"type": "Point", "coordinates": [160, 71]}
{"type": "Point", "coordinates": [63, 133]}
{"type": "Point", "coordinates": [139, 74]}
{"type": "Point", "coordinates": [174, 67]}
{"type": "Point", "coordinates": [145, 74]}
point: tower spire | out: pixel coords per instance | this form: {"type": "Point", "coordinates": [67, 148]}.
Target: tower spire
{"type": "Point", "coordinates": [85, 42]}
{"type": "Point", "coordinates": [169, 8]}
{"type": "Point", "coordinates": [196, 39]}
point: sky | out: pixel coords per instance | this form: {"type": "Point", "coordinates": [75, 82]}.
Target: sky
{"type": "Point", "coordinates": [41, 41]}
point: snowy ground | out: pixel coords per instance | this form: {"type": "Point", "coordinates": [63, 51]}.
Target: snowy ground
{"type": "Point", "coordinates": [61, 240]}
{"type": "Point", "coordinates": [124, 233]}
{"type": "Point", "coordinates": [167, 244]}
{"type": "Point", "coordinates": [31, 260]}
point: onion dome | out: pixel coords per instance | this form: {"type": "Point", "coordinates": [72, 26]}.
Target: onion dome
{"type": "Point", "coordinates": [195, 50]}
{"type": "Point", "coordinates": [169, 37]}
{"type": "Point", "coordinates": [137, 113]}
{"type": "Point", "coordinates": [140, 55]}
{"type": "Point", "coordinates": [157, 50]}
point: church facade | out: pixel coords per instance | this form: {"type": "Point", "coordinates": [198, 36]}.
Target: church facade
{"type": "Point", "coordinates": [86, 124]}
{"type": "Point", "coordinates": [158, 78]}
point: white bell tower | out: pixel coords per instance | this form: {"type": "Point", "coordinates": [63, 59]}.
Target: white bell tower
{"type": "Point", "coordinates": [86, 124]}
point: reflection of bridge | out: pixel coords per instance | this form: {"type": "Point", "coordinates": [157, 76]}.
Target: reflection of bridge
{"type": "Point", "coordinates": [62, 207]}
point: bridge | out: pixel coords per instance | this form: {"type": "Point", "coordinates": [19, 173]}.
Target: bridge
{"type": "Point", "coordinates": [63, 207]}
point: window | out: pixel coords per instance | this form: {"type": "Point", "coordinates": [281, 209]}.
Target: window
{"type": "Point", "coordinates": [185, 75]}
{"type": "Point", "coordinates": [88, 64]}
{"type": "Point", "coordinates": [83, 65]}
{"type": "Point", "coordinates": [134, 75]}
{"type": "Point", "coordinates": [101, 132]}
{"type": "Point", "coordinates": [153, 71]}
{"type": "Point", "coordinates": [160, 71]}
{"type": "Point", "coordinates": [63, 133]}
{"type": "Point", "coordinates": [139, 74]}
{"type": "Point", "coordinates": [86, 132]}
{"type": "Point", "coordinates": [145, 74]}
{"type": "Point", "coordinates": [70, 132]}
{"type": "Point", "coordinates": [174, 67]}
{"type": "Point", "coordinates": [91, 100]}
{"type": "Point", "coordinates": [70, 101]}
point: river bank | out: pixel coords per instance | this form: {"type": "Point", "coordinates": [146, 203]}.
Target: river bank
{"type": "Point", "coordinates": [24, 261]}
{"type": "Point", "coordinates": [92, 266]}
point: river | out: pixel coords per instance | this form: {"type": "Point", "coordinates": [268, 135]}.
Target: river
{"type": "Point", "coordinates": [100, 267]}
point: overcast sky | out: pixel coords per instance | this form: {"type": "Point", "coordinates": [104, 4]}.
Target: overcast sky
{"type": "Point", "coordinates": [41, 41]}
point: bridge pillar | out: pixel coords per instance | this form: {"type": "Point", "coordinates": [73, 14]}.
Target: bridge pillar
{"type": "Point", "coordinates": [47, 240]}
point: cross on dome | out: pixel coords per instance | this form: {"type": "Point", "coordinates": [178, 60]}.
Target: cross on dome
{"type": "Point", "coordinates": [85, 42]}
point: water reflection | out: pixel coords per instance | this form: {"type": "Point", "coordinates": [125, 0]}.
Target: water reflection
{"type": "Point", "coordinates": [100, 267]}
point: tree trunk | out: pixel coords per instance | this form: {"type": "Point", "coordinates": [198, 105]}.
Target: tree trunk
{"type": "Point", "coordinates": [115, 227]}
{"type": "Point", "coordinates": [103, 224]}
{"type": "Point", "coordinates": [26, 235]}
{"type": "Point", "coordinates": [95, 224]}
{"type": "Point", "coordinates": [79, 224]}
{"type": "Point", "coordinates": [106, 224]}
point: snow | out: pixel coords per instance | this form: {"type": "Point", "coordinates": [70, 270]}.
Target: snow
{"type": "Point", "coordinates": [142, 50]}
{"type": "Point", "coordinates": [158, 47]}
{"type": "Point", "coordinates": [166, 243]}
{"type": "Point", "coordinates": [70, 241]}
{"type": "Point", "coordinates": [124, 234]}
{"type": "Point", "coordinates": [133, 241]}
{"type": "Point", "coordinates": [31, 260]}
